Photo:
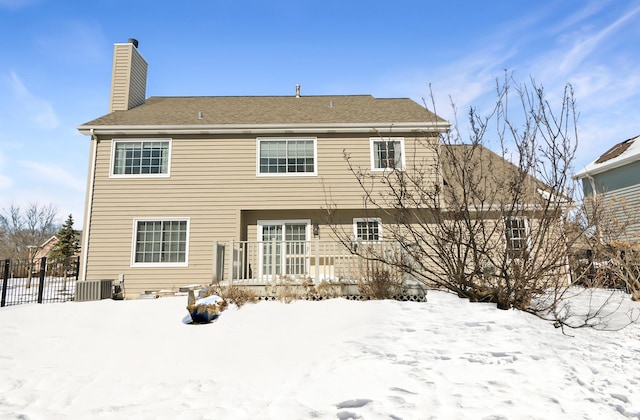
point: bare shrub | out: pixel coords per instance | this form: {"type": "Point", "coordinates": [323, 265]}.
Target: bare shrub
{"type": "Point", "coordinates": [237, 295]}
{"type": "Point", "coordinates": [380, 282]}
{"type": "Point", "coordinates": [482, 211]}
{"type": "Point", "coordinates": [607, 255]}
{"type": "Point", "coordinates": [327, 290]}
{"type": "Point", "coordinates": [289, 288]}
{"type": "Point", "coordinates": [482, 214]}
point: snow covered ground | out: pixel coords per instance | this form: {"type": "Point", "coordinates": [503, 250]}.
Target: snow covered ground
{"type": "Point", "coordinates": [334, 359]}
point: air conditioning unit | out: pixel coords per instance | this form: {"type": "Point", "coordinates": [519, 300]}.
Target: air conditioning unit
{"type": "Point", "coordinates": [93, 290]}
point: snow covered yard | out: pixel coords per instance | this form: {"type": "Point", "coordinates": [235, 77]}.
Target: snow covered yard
{"type": "Point", "coordinates": [334, 359]}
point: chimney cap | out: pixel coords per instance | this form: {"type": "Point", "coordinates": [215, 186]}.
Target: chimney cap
{"type": "Point", "coordinates": [134, 42]}
{"type": "Point", "coordinates": [297, 90]}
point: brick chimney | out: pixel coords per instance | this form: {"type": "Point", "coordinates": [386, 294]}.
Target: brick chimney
{"type": "Point", "coordinates": [128, 77]}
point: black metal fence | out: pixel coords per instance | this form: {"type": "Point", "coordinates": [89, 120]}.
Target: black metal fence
{"type": "Point", "coordinates": [37, 281]}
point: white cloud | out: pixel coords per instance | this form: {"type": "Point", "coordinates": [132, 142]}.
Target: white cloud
{"type": "Point", "coordinates": [585, 47]}
{"type": "Point", "coordinates": [33, 108]}
{"type": "Point", "coordinates": [55, 174]}
{"type": "Point", "coordinates": [580, 15]}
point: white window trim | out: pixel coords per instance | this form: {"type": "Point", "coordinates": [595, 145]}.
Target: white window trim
{"type": "Point", "coordinates": [159, 264]}
{"type": "Point", "coordinates": [307, 222]}
{"type": "Point", "coordinates": [367, 219]}
{"type": "Point", "coordinates": [526, 232]}
{"type": "Point", "coordinates": [373, 140]}
{"type": "Point", "coordinates": [288, 174]}
{"type": "Point", "coordinates": [113, 158]}
{"type": "Point", "coordinates": [261, 223]}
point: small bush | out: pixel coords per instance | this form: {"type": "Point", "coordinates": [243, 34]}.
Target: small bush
{"type": "Point", "coordinates": [380, 283]}
{"type": "Point", "coordinates": [233, 294]}
{"type": "Point", "coordinates": [327, 290]}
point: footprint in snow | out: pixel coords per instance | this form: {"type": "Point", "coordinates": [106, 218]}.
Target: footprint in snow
{"type": "Point", "coordinates": [357, 403]}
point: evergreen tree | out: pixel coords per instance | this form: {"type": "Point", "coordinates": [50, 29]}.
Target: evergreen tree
{"type": "Point", "coordinates": [67, 245]}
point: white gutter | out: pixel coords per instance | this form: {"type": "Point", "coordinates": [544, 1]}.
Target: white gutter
{"type": "Point", "coordinates": [628, 156]}
{"type": "Point", "coordinates": [263, 128]}
{"type": "Point", "coordinates": [603, 167]}
{"type": "Point", "coordinates": [88, 209]}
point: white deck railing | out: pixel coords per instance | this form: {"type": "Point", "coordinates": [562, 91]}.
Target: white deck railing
{"type": "Point", "coordinates": [268, 262]}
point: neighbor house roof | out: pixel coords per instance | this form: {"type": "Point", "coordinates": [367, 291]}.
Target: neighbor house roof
{"type": "Point", "coordinates": [488, 177]}
{"type": "Point", "coordinates": [207, 113]}
{"type": "Point", "coordinates": [621, 154]}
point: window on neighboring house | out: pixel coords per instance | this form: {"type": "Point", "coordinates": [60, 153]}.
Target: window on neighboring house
{"type": "Point", "coordinates": [281, 156]}
{"type": "Point", "coordinates": [517, 232]}
{"type": "Point", "coordinates": [367, 229]}
{"type": "Point", "coordinates": [161, 242]}
{"type": "Point", "coordinates": [387, 154]}
{"type": "Point", "coordinates": [140, 158]}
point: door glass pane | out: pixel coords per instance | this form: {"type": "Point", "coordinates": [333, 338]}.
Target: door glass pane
{"type": "Point", "coordinates": [296, 256]}
{"type": "Point", "coordinates": [269, 233]}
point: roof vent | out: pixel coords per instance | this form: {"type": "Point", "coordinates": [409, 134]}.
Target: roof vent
{"type": "Point", "coordinates": [297, 91]}
{"type": "Point", "coordinates": [134, 42]}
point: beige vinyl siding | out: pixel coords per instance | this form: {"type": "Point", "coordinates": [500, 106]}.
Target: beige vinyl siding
{"type": "Point", "coordinates": [212, 180]}
{"type": "Point", "coordinates": [129, 78]}
{"type": "Point", "coordinates": [343, 220]}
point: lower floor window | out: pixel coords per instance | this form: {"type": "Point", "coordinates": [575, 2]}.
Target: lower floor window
{"type": "Point", "coordinates": [367, 229]}
{"type": "Point", "coordinates": [516, 229]}
{"type": "Point", "coordinates": [161, 241]}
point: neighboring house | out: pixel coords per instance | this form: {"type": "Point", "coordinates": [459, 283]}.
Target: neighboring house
{"type": "Point", "coordinates": [184, 190]}
{"type": "Point", "coordinates": [613, 181]}
{"type": "Point", "coordinates": [45, 249]}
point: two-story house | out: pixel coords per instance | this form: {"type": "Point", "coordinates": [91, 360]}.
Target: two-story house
{"type": "Point", "coordinates": [184, 190]}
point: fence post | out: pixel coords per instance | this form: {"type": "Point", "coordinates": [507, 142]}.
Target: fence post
{"type": "Point", "coordinates": [232, 257]}
{"type": "Point", "coordinates": [316, 255]}
{"type": "Point", "coordinates": [273, 260]}
{"type": "Point", "coordinates": [77, 267]}
{"type": "Point", "coordinates": [5, 282]}
{"type": "Point", "coordinates": [43, 270]}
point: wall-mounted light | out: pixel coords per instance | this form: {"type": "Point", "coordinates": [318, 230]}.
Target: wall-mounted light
{"type": "Point", "coordinates": [316, 229]}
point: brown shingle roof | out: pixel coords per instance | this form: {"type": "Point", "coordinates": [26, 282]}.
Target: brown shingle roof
{"type": "Point", "coordinates": [494, 178]}
{"type": "Point", "coordinates": [615, 151]}
{"type": "Point", "coordinates": [221, 110]}
{"type": "Point", "coordinates": [621, 154]}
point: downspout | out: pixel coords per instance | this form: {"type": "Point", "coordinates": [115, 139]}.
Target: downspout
{"type": "Point", "coordinates": [88, 207]}
{"type": "Point", "coordinates": [594, 192]}
{"type": "Point", "coordinates": [593, 185]}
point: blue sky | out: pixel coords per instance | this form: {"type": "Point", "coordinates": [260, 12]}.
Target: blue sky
{"type": "Point", "coordinates": [55, 65]}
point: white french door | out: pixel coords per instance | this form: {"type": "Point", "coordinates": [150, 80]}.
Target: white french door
{"type": "Point", "coordinates": [284, 247]}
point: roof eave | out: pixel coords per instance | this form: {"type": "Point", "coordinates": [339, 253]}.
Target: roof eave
{"type": "Point", "coordinates": [383, 128]}
{"type": "Point", "coordinates": [604, 167]}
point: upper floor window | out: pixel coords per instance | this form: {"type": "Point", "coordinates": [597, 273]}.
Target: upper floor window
{"type": "Point", "coordinates": [160, 242]}
{"type": "Point", "coordinates": [140, 158]}
{"type": "Point", "coordinates": [369, 229]}
{"type": "Point", "coordinates": [517, 233]}
{"type": "Point", "coordinates": [387, 154]}
{"type": "Point", "coordinates": [285, 156]}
